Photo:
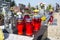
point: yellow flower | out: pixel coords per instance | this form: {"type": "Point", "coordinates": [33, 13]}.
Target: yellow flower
{"type": "Point", "coordinates": [11, 8]}
{"type": "Point", "coordinates": [51, 10]}
{"type": "Point", "coordinates": [43, 18]}
{"type": "Point", "coordinates": [36, 10]}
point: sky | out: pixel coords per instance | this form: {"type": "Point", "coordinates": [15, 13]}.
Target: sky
{"type": "Point", "coordinates": [36, 2]}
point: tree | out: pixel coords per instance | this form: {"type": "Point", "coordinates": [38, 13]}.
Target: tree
{"type": "Point", "coordinates": [12, 3]}
{"type": "Point", "coordinates": [49, 7]}
{"type": "Point", "coordinates": [37, 6]}
{"type": "Point", "coordinates": [22, 6]}
{"type": "Point", "coordinates": [8, 0]}
{"type": "Point", "coordinates": [57, 7]}
{"type": "Point", "coordinates": [32, 8]}
{"type": "Point", "coordinates": [29, 5]}
{"type": "Point", "coordinates": [42, 6]}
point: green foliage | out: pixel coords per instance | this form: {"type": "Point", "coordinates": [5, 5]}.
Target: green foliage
{"type": "Point", "coordinates": [12, 3]}
{"type": "Point", "coordinates": [37, 6]}
{"type": "Point", "coordinates": [32, 8]}
{"type": "Point", "coordinates": [43, 6]}
{"type": "Point", "coordinates": [49, 7]}
{"type": "Point", "coordinates": [8, 0]}
{"type": "Point", "coordinates": [29, 5]}
{"type": "Point", "coordinates": [27, 11]}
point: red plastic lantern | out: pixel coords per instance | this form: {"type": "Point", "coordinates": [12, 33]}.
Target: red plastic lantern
{"type": "Point", "coordinates": [20, 26]}
{"type": "Point", "coordinates": [36, 23]}
{"type": "Point", "coordinates": [28, 27]}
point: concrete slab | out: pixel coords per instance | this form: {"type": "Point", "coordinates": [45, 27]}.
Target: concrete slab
{"type": "Point", "coordinates": [54, 30]}
{"type": "Point", "coordinates": [17, 37]}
